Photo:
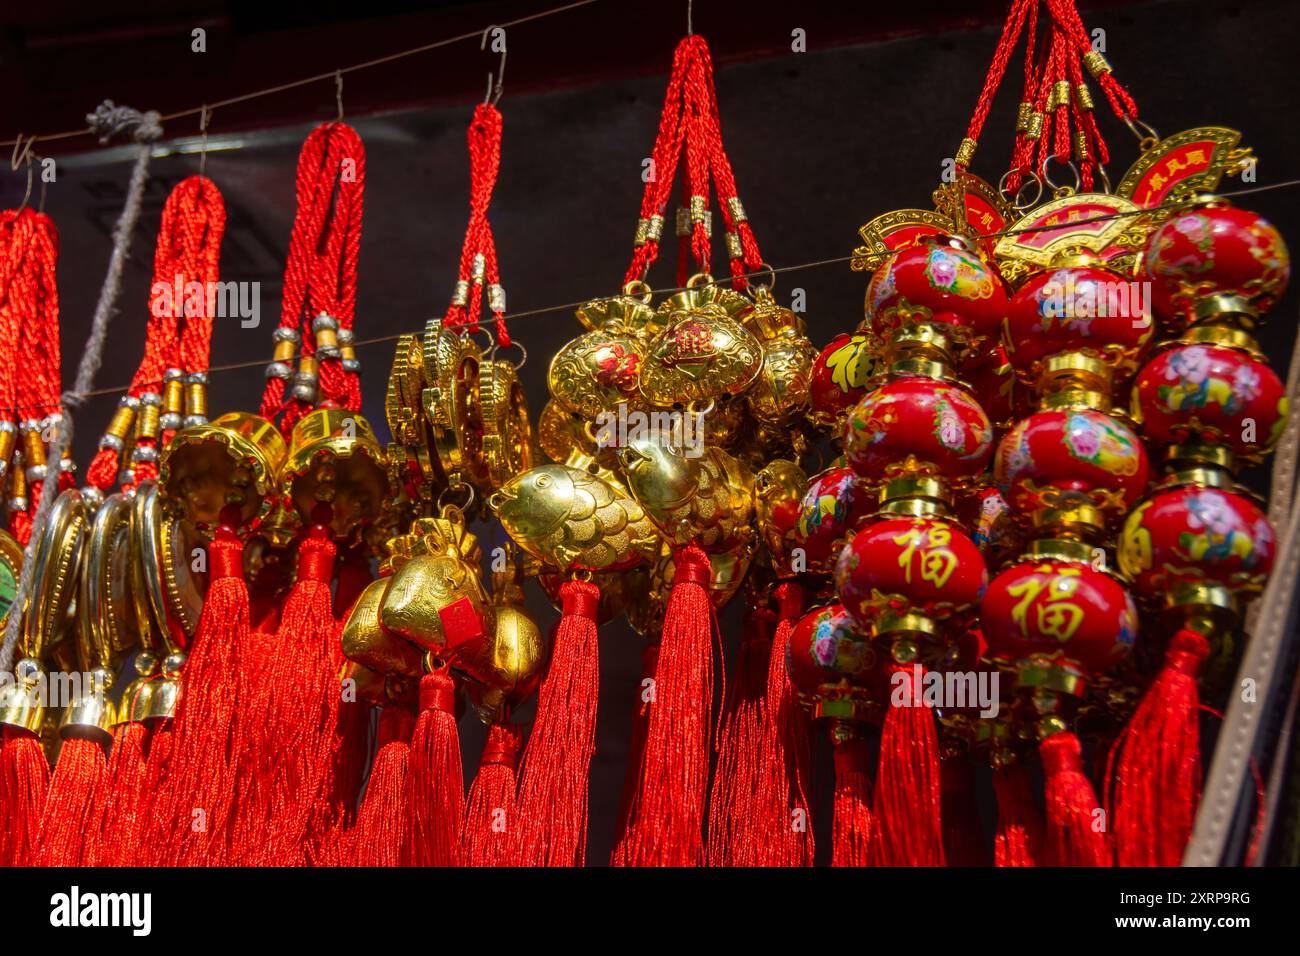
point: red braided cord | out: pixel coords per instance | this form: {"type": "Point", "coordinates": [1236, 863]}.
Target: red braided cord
{"type": "Point", "coordinates": [33, 297]}
{"type": "Point", "coordinates": [1022, 154]}
{"type": "Point", "coordinates": [494, 278]}
{"type": "Point", "coordinates": [484, 140]}
{"type": "Point", "coordinates": [320, 276]}
{"type": "Point", "coordinates": [664, 157]}
{"type": "Point", "coordinates": [1066, 12]}
{"type": "Point", "coordinates": [1001, 56]}
{"type": "Point", "coordinates": [751, 259]}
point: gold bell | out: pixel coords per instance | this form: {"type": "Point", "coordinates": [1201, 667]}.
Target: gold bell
{"type": "Point", "coordinates": [90, 715]}
{"type": "Point", "coordinates": [335, 458]}
{"type": "Point", "coordinates": [232, 460]}
{"type": "Point", "coordinates": [22, 703]}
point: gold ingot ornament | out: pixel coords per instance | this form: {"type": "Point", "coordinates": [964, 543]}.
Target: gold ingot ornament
{"type": "Point", "coordinates": [513, 656]}
{"type": "Point", "coordinates": [574, 520]}
{"type": "Point", "coordinates": [435, 598]}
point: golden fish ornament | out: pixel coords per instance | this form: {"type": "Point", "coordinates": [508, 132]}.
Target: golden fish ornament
{"type": "Point", "coordinates": [574, 520]}
{"type": "Point", "coordinates": [707, 497]}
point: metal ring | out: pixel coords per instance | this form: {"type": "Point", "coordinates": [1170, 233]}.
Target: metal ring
{"type": "Point", "coordinates": [639, 287]}
{"type": "Point", "coordinates": [766, 266]}
{"type": "Point", "coordinates": [1060, 191]}
{"type": "Point", "coordinates": [491, 353]}
{"type": "Point", "coordinates": [1101, 171]}
{"type": "Point", "coordinates": [1014, 200]}
{"type": "Point", "coordinates": [1147, 141]}
{"type": "Point", "coordinates": [461, 509]}
{"type": "Point", "coordinates": [699, 280]}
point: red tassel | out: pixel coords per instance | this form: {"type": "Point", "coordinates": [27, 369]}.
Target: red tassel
{"type": "Point", "coordinates": [290, 746]}
{"type": "Point", "coordinates": [908, 797]}
{"type": "Point", "coordinates": [1071, 836]}
{"type": "Point", "coordinates": [487, 838]}
{"type": "Point", "coordinates": [963, 843]}
{"type": "Point", "coordinates": [1157, 779]}
{"type": "Point", "coordinates": [854, 825]}
{"type": "Point", "coordinates": [122, 827]}
{"type": "Point", "coordinates": [635, 746]}
{"type": "Point", "coordinates": [194, 822]}
{"type": "Point", "coordinates": [553, 773]}
{"type": "Point", "coordinates": [736, 777]}
{"type": "Point", "coordinates": [24, 783]}
{"type": "Point", "coordinates": [437, 783]}
{"type": "Point", "coordinates": [666, 819]}
{"type": "Point", "coordinates": [779, 830]}
{"type": "Point", "coordinates": [1020, 825]}
{"type": "Point", "coordinates": [73, 804]}
{"type": "Point", "coordinates": [382, 831]}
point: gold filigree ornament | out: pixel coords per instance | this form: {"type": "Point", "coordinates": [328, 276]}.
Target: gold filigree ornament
{"type": "Point", "coordinates": [780, 394]}
{"type": "Point", "coordinates": [450, 400]}
{"type": "Point", "coordinates": [704, 354]}
{"type": "Point", "coordinates": [1112, 228]}
{"type": "Point", "coordinates": [412, 468]}
{"type": "Point", "coordinates": [108, 625]}
{"type": "Point", "coordinates": [508, 444]}
{"type": "Point", "coordinates": [706, 498]}
{"type": "Point", "coordinates": [1182, 165]}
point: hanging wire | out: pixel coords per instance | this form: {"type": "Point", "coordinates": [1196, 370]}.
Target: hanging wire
{"type": "Point", "coordinates": [766, 271]}
{"type": "Point", "coordinates": [322, 77]}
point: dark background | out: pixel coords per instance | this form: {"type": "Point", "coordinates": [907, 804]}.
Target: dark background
{"type": "Point", "coordinates": [820, 141]}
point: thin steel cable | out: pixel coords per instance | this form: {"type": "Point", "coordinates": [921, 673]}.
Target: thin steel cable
{"type": "Point", "coordinates": [320, 77]}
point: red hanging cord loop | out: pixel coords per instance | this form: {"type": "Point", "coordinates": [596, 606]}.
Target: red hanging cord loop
{"type": "Point", "coordinates": [29, 320]}
{"type": "Point", "coordinates": [320, 281]}
{"type": "Point", "coordinates": [478, 271]}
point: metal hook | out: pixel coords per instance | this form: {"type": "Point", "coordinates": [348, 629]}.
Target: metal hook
{"type": "Point", "coordinates": [690, 18]}
{"type": "Point", "coordinates": [338, 93]}
{"type": "Point", "coordinates": [205, 116]}
{"type": "Point", "coordinates": [493, 95]}
{"type": "Point", "coordinates": [23, 154]}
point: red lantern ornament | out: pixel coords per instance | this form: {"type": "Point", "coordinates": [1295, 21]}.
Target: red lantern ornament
{"type": "Point", "coordinates": [832, 664]}
{"type": "Point", "coordinates": [941, 281]}
{"type": "Point", "coordinates": [1078, 307]}
{"type": "Point", "coordinates": [918, 426]}
{"type": "Point", "coordinates": [1055, 622]}
{"type": "Point", "coordinates": [1212, 260]}
{"type": "Point", "coordinates": [835, 505]}
{"type": "Point", "coordinates": [840, 377]}
{"type": "Point", "coordinates": [901, 565]}
{"type": "Point", "coordinates": [1078, 451]}
{"type": "Point", "coordinates": [1053, 610]}
{"type": "Point", "coordinates": [1206, 394]}
{"type": "Point", "coordinates": [1196, 533]}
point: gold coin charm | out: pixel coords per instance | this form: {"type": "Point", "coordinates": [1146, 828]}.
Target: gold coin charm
{"type": "Point", "coordinates": [507, 434]}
